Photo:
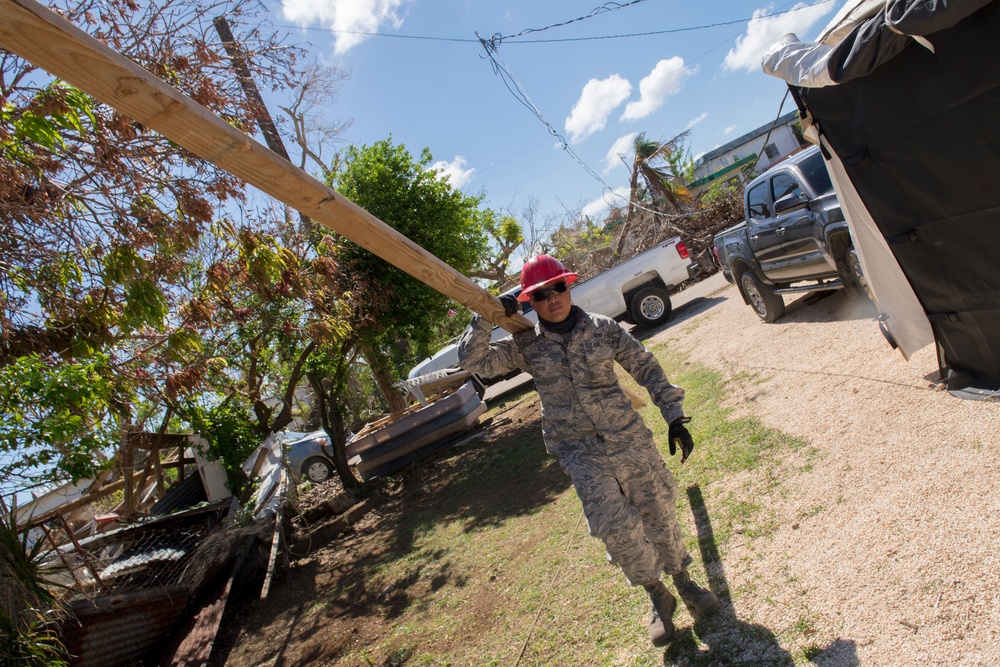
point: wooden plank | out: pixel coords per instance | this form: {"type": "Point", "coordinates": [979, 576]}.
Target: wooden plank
{"type": "Point", "coordinates": [79, 502]}
{"type": "Point", "coordinates": [193, 645]}
{"type": "Point", "coordinates": [278, 537]}
{"type": "Point", "coordinates": [42, 37]}
{"type": "Point", "coordinates": [125, 458]}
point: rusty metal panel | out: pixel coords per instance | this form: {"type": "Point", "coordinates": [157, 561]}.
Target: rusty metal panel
{"type": "Point", "coordinates": [114, 630]}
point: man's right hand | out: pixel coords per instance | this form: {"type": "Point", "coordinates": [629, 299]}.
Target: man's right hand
{"type": "Point", "coordinates": [510, 305]}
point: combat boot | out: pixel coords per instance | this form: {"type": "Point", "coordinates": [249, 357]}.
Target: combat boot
{"type": "Point", "coordinates": [699, 601]}
{"type": "Point", "coordinates": [661, 627]}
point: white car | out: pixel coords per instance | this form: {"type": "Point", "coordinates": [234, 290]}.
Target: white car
{"type": "Point", "coordinates": [447, 357]}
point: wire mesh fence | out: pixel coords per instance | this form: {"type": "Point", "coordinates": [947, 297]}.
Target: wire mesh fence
{"type": "Point", "coordinates": [130, 559]}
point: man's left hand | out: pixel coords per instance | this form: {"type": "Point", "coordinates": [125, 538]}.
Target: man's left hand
{"type": "Point", "coordinates": [679, 436]}
{"type": "Point", "coordinates": [510, 305]}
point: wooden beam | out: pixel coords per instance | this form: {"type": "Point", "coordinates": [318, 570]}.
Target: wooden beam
{"type": "Point", "coordinates": [278, 536]}
{"type": "Point", "coordinates": [86, 499]}
{"type": "Point", "coordinates": [44, 38]}
{"type": "Point", "coordinates": [126, 459]}
{"type": "Point", "coordinates": [250, 90]}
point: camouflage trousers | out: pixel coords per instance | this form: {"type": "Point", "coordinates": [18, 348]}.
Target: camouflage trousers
{"type": "Point", "coordinates": [629, 498]}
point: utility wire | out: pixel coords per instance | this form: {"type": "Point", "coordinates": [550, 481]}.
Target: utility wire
{"type": "Point", "coordinates": [657, 32]}
{"type": "Point", "coordinates": [500, 69]}
{"type": "Point", "coordinates": [512, 39]}
{"type": "Point", "coordinates": [768, 135]}
{"type": "Point", "coordinates": [603, 9]}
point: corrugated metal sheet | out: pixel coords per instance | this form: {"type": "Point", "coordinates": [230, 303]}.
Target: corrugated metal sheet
{"type": "Point", "coordinates": [110, 631]}
{"type": "Point", "coordinates": [188, 493]}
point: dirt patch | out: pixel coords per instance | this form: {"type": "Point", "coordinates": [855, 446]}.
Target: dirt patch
{"type": "Point", "coordinates": [887, 546]}
{"type": "Point", "coordinates": [330, 602]}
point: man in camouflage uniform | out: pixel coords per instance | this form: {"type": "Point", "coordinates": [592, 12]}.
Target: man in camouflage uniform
{"type": "Point", "coordinates": [588, 423]}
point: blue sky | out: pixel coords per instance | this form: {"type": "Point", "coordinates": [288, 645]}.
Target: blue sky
{"type": "Point", "coordinates": [419, 82]}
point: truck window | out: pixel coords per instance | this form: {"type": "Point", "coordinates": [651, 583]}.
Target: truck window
{"type": "Point", "coordinates": [783, 184]}
{"type": "Point", "coordinates": [815, 172]}
{"type": "Point", "coordinates": [758, 206]}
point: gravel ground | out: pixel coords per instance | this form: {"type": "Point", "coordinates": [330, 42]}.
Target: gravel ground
{"type": "Point", "coordinates": [887, 546]}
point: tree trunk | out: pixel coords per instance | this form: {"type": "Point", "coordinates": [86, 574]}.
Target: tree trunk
{"type": "Point", "coordinates": [380, 368]}
{"type": "Point", "coordinates": [333, 424]}
{"type": "Point", "coordinates": [284, 417]}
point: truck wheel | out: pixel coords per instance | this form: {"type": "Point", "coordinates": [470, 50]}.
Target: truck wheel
{"type": "Point", "coordinates": [650, 307]}
{"type": "Point", "coordinates": [768, 305]}
{"type": "Point", "coordinates": [859, 284]}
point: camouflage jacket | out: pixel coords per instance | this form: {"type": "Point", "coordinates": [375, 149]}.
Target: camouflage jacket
{"type": "Point", "coordinates": [575, 377]}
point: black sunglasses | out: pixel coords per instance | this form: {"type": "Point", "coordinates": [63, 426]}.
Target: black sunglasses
{"type": "Point", "coordinates": [543, 293]}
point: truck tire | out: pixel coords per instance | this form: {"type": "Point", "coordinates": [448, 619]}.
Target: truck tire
{"type": "Point", "coordinates": [650, 307]}
{"type": "Point", "coordinates": [858, 283]}
{"type": "Point", "coordinates": [768, 305]}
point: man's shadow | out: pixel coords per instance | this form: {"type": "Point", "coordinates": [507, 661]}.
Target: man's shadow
{"type": "Point", "coordinates": [729, 640]}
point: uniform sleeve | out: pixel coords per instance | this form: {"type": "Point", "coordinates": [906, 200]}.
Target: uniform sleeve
{"type": "Point", "coordinates": [646, 370]}
{"type": "Point", "coordinates": [477, 354]}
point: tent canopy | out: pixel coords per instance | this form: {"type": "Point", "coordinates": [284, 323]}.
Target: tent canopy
{"type": "Point", "coordinates": [903, 96]}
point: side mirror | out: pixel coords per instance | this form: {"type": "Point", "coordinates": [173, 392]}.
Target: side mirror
{"type": "Point", "coordinates": [791, 202]}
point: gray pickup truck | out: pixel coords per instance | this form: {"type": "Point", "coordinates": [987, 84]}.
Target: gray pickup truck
{"type": "Point", "coordinates": [794, 238]}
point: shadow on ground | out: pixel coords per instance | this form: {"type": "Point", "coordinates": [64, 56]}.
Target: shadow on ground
{"type": "Point", "coordinates": [724, 639]}
{"type": "Point", "coordinates": [330, 599]}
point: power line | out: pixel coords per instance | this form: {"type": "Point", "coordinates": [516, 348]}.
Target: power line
{"type": "Point", "coordinates": [512, 39]}
{"type": "Point", "coordinates": [660, 32]}
{"type": "Point", "coordinates": [603, 9]}
{"type": "Point", "coordinates": [500, 69]}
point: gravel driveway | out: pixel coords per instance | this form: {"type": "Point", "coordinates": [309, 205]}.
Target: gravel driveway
{"type": "Point", "coordinates": [888, 538]}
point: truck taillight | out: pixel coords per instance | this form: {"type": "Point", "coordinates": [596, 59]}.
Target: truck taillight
{"type": "Point", "coordinates": [682, 250]}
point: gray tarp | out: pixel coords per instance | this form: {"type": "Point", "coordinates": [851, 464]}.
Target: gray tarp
{"type": "Point", "coordinates": [903, 96]}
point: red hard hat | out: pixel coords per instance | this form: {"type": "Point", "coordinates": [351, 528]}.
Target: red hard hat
{"type": "Point", "coordinates": [542, 270]}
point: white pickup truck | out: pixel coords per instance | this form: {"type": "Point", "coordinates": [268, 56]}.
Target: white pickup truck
{"type": "Point", "coordinates": [636, 290]}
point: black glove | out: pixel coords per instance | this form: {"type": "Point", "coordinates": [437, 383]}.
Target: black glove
{"type": "Point", "coordinates": [679, 435]}
{"type": "Point", "coordinates": [510, 305]}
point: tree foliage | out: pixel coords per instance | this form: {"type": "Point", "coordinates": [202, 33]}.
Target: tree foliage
{"type": "Point", "coordinates": [659, 164]}
{"type": "Point", "coordinates": [402, 191]}
{"type": "Point", "coordinates": [106, 227]}
{"type": "Point", "coordinates": [506, 236]}
{"type": "Point", "coordinates": [28, 611]}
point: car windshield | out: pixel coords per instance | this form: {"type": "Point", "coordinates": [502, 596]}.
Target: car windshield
{"type": "Point", "coordinates": [815, 172]}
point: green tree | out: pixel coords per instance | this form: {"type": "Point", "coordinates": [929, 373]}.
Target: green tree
{"type": "Point", "coordinates": [506, 236]}
{"type": "Point", "coordinates": [269, 305]}
{"type": "Point", "coordinates": [402, 191]}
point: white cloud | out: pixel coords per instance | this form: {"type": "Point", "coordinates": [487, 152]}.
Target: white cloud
{"type": "Point", "coordinates": [762, 32]}
{"type": "Point", "coordinates": [622, 147]}
{"type": "Point", "coordinates": [345, 17]}
{"type": "Point", "coordinates": [697, 120]}
{"type": "Point", "coordinates": [729, 130]}
{"type": "Point", "coordinates": [597, 100]}
{"type": "Point", "coordinates": [455, 171]}
{"type": "Point", "coordinates": [598, 208]}
{"type": "Point", "coordinates": [665, 79]}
